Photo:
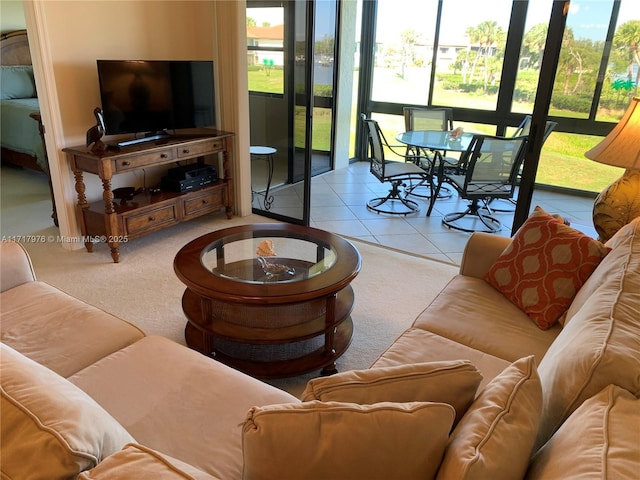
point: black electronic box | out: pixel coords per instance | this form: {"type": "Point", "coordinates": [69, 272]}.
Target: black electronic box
{"type": "Point", "coordinates": [189, 177]}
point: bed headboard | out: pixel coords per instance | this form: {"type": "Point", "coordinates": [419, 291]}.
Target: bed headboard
{"type": "Point", "coordinates": [14, 48]}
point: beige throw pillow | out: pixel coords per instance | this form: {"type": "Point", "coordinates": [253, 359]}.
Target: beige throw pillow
{"type": "Point", "coordinates": [142, 463]}
{"type": "Point", "coordinates": [495, 437]}
{"type": "Point", "coordinates": [453, 382]}
{"type": "Point", "coordinates": [344, 441]}
{"type": "Point", "coordinates": [601, 439]}
{"type": "Point", "coordinates": [599, 344]}
{"type": "Point", "coordinates": [49, 427]}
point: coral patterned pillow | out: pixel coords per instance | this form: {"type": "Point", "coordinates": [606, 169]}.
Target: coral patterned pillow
{"type": "Point", "coordinates": [544, 266]}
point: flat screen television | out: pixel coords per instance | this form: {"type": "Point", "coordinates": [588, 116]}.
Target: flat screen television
{"type": "Point", "coordinates": [152, 97]}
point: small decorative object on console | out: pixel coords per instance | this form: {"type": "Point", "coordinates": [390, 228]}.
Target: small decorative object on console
{"type": "Point", "coordinates": [95, 133]}
{"type": "Point", "coordinates": [124, 194]}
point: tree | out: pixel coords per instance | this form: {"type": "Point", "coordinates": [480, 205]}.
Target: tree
{"type": "Point", "coordinates": [409, 39]}
{"type": "Point", "coordinates": [627, 37]}
{"type": "Point", "coordinates": [251, 22]}
{"type": "Point", "coordinates": [534, 41]}
{"type": "Point", "coordinates": [488, 35]}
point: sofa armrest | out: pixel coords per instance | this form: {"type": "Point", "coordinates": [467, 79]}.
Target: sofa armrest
{"type": "Point", "coordinates": [481, 252]}
{"type": "Point", "coordinates": [15, 266]}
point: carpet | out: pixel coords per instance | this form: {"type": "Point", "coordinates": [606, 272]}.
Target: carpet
{"type": "Point", "coordinates": [391, 289]}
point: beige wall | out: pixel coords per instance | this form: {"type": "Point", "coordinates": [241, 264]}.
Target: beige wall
{"type": "Point", "coordinates": [79, 33]}
{"type": "Point", "coordinates": [11, 16]}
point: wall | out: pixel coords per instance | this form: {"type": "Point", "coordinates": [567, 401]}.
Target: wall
{"type": "Point", "coordinates": [81, 32]}
{"type": "Point", "coordinates": [11, 16]}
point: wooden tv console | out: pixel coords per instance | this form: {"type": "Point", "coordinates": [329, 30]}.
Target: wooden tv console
{"type": "Point", "coordinates": [116, 222]}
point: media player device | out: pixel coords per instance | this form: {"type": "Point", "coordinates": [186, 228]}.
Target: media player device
{"type": "Point", "coordinates": [189, 177]}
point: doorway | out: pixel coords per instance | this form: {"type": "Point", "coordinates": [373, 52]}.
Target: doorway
{"type": "Point", "coordinates": [291, 102]}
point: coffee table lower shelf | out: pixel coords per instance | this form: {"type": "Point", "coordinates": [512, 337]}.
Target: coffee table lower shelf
{"type": "Point", "coordinates": [301, 346]}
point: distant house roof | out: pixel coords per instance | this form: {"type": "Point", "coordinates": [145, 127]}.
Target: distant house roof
{"type": "Point", "coordinates": [275, 32]}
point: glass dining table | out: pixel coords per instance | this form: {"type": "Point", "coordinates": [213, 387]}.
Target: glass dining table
{"type": "Point", "coordinates": [437, 142]}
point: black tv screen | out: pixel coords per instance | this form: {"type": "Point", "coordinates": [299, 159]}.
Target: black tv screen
{"type": "Point", "coordinates": [141, 96]}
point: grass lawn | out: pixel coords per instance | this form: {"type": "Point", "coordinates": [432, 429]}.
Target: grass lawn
{"type": "Point", "coordinates": [562, 161]}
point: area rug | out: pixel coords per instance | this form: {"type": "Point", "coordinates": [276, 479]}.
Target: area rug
{"type": "Point", "coordinates": [391, 289]}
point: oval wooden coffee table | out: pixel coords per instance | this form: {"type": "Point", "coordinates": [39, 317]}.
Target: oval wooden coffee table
{"type": "Point", "coordinates": [272, 300]}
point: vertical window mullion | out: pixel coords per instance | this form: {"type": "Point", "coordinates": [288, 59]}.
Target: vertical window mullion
{"type": "Point", "coordinates": [608, 45]}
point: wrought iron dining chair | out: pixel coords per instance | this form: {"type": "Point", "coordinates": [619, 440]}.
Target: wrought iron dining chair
{"type": "Point", "coordinates": [523, 130]}
{"type": "Point", "coordinates": [388, 171]}
{"type": "Point", "coordinates": [427, 118]}
{"type": "Point", "coordinates": [491, 167]}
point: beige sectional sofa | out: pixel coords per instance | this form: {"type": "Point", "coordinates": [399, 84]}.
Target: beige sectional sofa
{"type": "Point", "coordinates": [474, 389]}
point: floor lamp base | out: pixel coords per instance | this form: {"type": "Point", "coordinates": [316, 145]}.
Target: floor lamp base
{"type": "Point", "coordinates": [617, 205]}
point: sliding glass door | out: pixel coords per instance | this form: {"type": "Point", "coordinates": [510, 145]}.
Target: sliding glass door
{"type": "Point", "coordinates": [290, 54]}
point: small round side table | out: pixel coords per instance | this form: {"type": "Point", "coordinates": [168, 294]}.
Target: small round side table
{"type": "Point", "coordinates": [258, 152]}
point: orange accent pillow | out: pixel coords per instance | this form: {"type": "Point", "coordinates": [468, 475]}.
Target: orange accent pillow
{"type": "Point", "coordinates": [544, 266]}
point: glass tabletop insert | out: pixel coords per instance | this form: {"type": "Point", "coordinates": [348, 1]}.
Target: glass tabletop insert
{"type": "Point", "coordinates": [267, 257]}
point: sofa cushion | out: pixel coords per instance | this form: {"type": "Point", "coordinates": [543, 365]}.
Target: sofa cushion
{"type": "Point", "coordinates": [600, 343]}
{"type": "Point", "coordinates": [452, 382]}
{"type": "Point", "coordinates": [625, 243]}
{"type": "Point", "coordinates": [143, 463]}
{"type": "Point", "coordinates": [50, 428]}
{"type": "Point", "coordinates": [503, 418]}
{"type": "Point", "coordinates": [179, 402]}
{"type": "Point", "coordinates": [599, 440]}
{"type": "Point", "coordinates": [416, 346]}
{"type": "Point", "coordinates": [317, 440]}
{"type": "Point", "coordinates": [75, 333]}
{"type": "Point", "coordinates": [467, 308]}
{"type": "Point", "coordinates": [544, 266]}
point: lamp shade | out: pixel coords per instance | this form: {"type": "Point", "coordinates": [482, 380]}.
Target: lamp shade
{"type": "Point", "coordinates": [621, 148]}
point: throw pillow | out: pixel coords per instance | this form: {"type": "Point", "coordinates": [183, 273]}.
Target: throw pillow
{"type": "Point", "coordinates": [17, 82]}
{"type": "Point", "coordinates": [317, 441]}
{"type": "Point", "coordinates": [453, 382]}
{"type": "Point", "coordinates": [599, 440]}
{"type": "Point", "coordinates": [142, 463]}
{"type": "Point", "coordinates": [495, 437]}
{"type": "Point", "coordinates": [49, 427]}
{"type": "Point", "coordinates": [544, 266]}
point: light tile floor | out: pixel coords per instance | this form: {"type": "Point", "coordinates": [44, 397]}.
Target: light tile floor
{"type": "Point", "coordinates": [339, 200]}
{"type": "Point", "coordinates": [338, 205]}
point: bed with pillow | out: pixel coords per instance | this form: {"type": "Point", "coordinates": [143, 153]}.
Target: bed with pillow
{"type": "Point", "coordinates": [20, 123]}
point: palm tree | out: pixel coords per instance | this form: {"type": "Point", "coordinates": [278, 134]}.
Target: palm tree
{"type": "Point", "coordinates": [628, 36]}
{"type": "Point", "coordinates": [473, 36]}
{"type": "Point", "coordinates": [534, 41]}
{"type": "Point", "coordinates": [489, 35]}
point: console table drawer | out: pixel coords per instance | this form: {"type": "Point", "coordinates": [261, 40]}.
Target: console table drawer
{"type": "Point", "coordinates": [131, 163]}
{"type": "Point", "coordinates": [208, 201]}
{"type": "Point", "coordinates": [150, 220]}
{"type": "Point", "coordinates": [201, 148]}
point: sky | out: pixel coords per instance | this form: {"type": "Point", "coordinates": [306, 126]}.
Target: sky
{"type": "Point", "coordinates": [587, 18]}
